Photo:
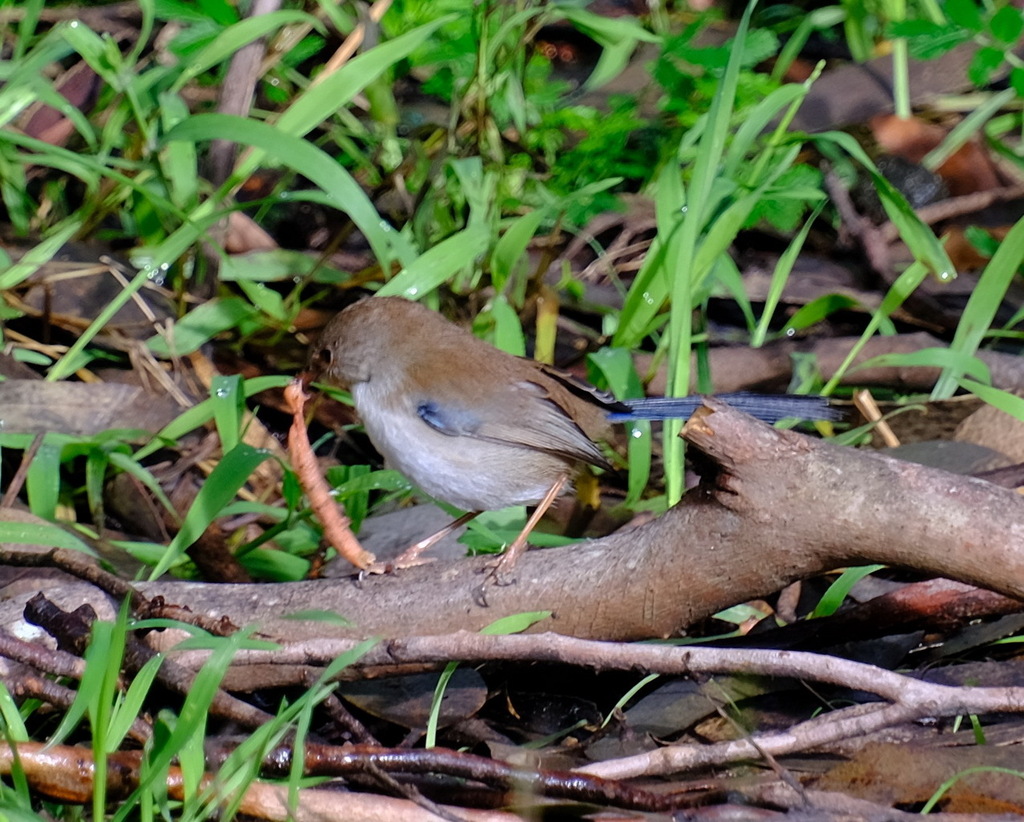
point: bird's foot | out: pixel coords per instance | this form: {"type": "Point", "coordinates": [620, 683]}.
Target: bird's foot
{"type": "Point", "coordinates": [400, 563]}
{"type": "Point", "coordinates": [499, 573]}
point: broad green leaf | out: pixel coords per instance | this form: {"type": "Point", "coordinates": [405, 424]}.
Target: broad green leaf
{"type": "Point", "coordinates": [1007, 25]}
{"type": "Point", "coordinates": [508, 330]}
{"type": "Point", "coordinates": [303, 157]}
{"type": "Point", "coordinates": [179, 161]}
{"type": "Point", "coordinates": [818, 309]}
{"type": "Point", "coordinates": [43, 479]}
{"type": "Point", "coordinates": [515, 623]}
{"type": "Point", "coordinates": [966, 13]}
{"type": "Point", "coordinates": [984, 64]}
{"type": "Point", "coordinates": [932, 358]}
{"type": "Point", "coordinates": [278, 265]}
{"type": "Point", "coordinates": [996, 397]}
{"type": "Point", "coordinates": [382, 480]}
{"type": "Point", "coordinates": [228, 408]}
{"type": "Point", "coordinates": [436, 265]}
{"type": "Point", "coordinates": [509, 252]}
{"type": "Point", "coordinates": [41, 533]}
{"type": "Point", "coordinates": [200, 325]}
{"type": "Point", "coordinates": [275, 565]}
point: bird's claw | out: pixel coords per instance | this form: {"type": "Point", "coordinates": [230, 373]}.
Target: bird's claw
{"type": "Point", "coordinates": [499, 573]}
{"type": "Point", "coordinates": [392, 566]}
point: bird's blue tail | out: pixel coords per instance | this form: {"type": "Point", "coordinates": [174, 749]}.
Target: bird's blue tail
{"type": "Point", "coordinates": [766, 407]}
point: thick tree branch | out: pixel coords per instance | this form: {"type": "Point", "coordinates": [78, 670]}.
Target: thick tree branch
{"type": "Point", "coordinates": [774, 506]}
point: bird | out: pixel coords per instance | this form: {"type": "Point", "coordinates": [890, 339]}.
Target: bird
{"type": "Point", "coordinates": [477, 427]}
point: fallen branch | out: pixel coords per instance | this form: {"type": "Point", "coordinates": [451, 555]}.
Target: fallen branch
{"type": "Point", "coordinates": [66, 774]}
{"type": "Point", "coordinates": [907, 698]}
{"type": "Point", "coordinates": [773, 507]}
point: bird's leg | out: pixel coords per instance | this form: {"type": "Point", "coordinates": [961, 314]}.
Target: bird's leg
{"type": "Point", "coordinates": [410, 556]}
{"type": "Point", "coordinates": [500, 570]}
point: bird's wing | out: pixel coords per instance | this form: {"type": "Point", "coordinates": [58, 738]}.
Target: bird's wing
{"type": "Point", "coordinates": [524, 415]}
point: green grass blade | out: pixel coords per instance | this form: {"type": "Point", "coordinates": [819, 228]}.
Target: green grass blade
{"type": "Point", "coordinates": [228, 408]}
{"type": "Point", "coordinates": [963, 131]}
{"type": "Point", "coordinates": [130, 707]}
{"type": "Point", "coordinates": [41, 533]}
{"type": "Point", "coordinates": [509, 252]}
{"type": "Point", "coordinates": [238, 35]}
{"type": "Point", "coordinates": [840, 589]}
{"type": "Point", "coordinates": [303, 157]}
{"type": "Point", "coordinates": [920, 239]}
{"type": "Point", "coordinates": [984, 302]}
{"type": "Point", "coordinates": [958, 361]}
{"type": "Point", "coordinates": [780, 276]}
{"type": "Point", "coordinates": [190, 725]}
{"type": "Point", "coordinates": [202, 413]}
{"type": "Point", "coordinates": [996, 397]}
{"type": "Point", "coordinates": [436, 265]}
{"type": "Point", "coordinates": [616, 368]}
{"type": "Point", "coordinates": [39, 255]}
{"type": "Point", "coordinates": [698, 204]}
{"type": "Point", "coordinates": [43, 479]}
{"type": "Point", "coordinates": [903, 287]}
{"type": "Point", "coordinates": [220, 488]}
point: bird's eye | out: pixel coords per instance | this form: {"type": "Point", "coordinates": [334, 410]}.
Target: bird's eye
{"type": "Point", "coordinates": [322, 358]}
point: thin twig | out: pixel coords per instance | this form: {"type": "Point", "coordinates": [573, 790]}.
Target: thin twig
{"type": "Point", "coordinates": [19, 476]}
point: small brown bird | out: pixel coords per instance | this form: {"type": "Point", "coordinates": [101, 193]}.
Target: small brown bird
{"type": "Point", "coordinates": [474, 426]}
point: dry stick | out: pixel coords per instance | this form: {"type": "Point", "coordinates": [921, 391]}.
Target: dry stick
{"type": "Point", "coordinates": [347, 760]}
{"type": "Point", "coordinates": [336, 526]}
{"type": "Point", "coordinates": [352, 42]}
{"type": "Point", "coordinates": [662, 659]}
{"type": "Point", "coordinates": [238, 91]}
{"type": "Point", "coordinates": [38, 656]}
{"type": "Point", "coordinates": [831, 805]}
{"type": "Point", "coordinates": [75, 627]}
{"type": "Point", "coordinates": [87, 568]}
{"type": "Point", "coordinates": [410, 792]}
{"type": "Point", "coordinates": [24, 685]}
{"type": "Point", "coordinates": [76, 563]}
{"type": "Point", "coordinates": [19, 476]}
{"type": "Point", "coordinates": [66, 773]}
{"type": "Point", "coordinates": [848, 723]}
{"type": "Point", "coordinates": [911, 698]}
